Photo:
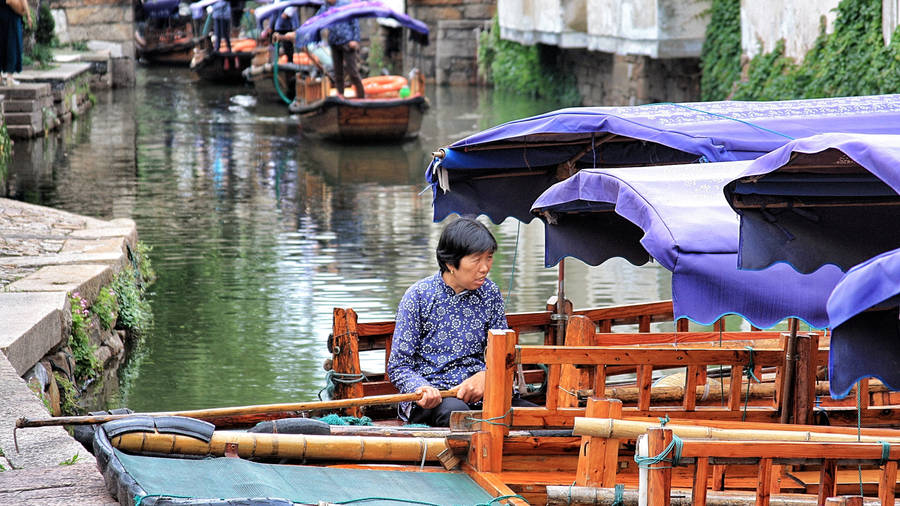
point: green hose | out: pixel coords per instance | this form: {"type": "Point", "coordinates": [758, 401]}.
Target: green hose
{"type": "Point", "coordinates": [275, 76]}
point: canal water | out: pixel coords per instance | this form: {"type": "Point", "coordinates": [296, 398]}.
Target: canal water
{"type": "Point", "coordinates": [257, 233]}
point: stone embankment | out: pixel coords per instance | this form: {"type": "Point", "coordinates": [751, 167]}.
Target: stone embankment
{"type": "Point", "coordinates": [45, 256]}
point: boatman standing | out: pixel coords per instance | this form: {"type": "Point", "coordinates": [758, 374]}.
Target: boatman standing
{"type": "Point", "coordinates": [441, 328]}
{"type": "Point", "coordinates": [343, 38]}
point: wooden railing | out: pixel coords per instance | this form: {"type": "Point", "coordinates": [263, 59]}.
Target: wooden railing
{"type": "Point", "coordinates": [492, 452]}
{"type": "Point", "coordinates": [350, 337]}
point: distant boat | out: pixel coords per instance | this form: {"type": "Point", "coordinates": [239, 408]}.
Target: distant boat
{"type": "Point", "coordinates": [264, 69]}
{"type": "Point", "coordinates": [164, 33]}
{"type": "Point", "coordinates": [393, 107]}
{"type": "Point", "coordinates": [220, 66]}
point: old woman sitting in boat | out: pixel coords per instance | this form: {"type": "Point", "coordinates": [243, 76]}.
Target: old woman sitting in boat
{"type": "Point", "coordinates": [441, 327]}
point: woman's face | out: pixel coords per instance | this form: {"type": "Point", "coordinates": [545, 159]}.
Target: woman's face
{"type": "Point", "coordinates": [471, 273]}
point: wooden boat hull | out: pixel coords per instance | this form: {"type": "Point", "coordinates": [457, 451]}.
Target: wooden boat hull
{"type": "Point", "coordinates": [211, 66]}
{"type": "Point", "coordinates": [338, 119]}
{"type": "Point", "coordinates": [263, 79]}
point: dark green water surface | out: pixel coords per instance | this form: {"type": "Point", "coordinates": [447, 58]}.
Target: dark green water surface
{"type": "Point", "coordinates": [257, 233]}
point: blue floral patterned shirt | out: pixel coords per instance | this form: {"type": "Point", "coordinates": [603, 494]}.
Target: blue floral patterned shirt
{"type": "Point", "coordinates": [342, 32]}
{"type": "Point", "coordinates": [440, 336]}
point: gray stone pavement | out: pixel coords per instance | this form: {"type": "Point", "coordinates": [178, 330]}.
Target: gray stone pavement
{"type": "Point", "coordinates": [46, 254]}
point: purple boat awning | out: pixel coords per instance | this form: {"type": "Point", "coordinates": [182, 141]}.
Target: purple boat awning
{"type": "Point", "coordinates": [526, 156]}
{"type": "Point", "coordinates": [161, 8]}
{"type": "Point", "coordinates": [309, 31]}
{"type": "Point", "coordinates": [828, 199]}
{"type": "Point", "coordinates": [865, 320]}
{"type": "Point", "coordinates": [677, 215]}
{"type": "Point", "coordinates": [275, 9]}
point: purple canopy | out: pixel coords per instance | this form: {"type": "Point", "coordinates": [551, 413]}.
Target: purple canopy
{"type": "Point", "coordinates": [526, 156]}
{"type": "Point", "coordinates": [309, 31]}
{"type": "Point", "coordinates": [863, 312]}
{"type": "Point", "coordinates": [677, 215]}
{"type": "Point", "coordinates": [161, 8]}
{"type": "Point", "coordinates": [827, 199]}
{"type": "Point", "coordinates": [265, 12]}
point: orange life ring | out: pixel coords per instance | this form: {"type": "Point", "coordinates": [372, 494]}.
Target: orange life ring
{"type": "Point", "coordinates": [383, 85]}
{"type": "Point", "coordinates": [299, 59]}
{"type": "Point", "coordinates": [238, 46]}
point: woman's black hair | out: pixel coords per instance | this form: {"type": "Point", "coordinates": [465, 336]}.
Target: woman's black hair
{"type": "Point", "coordinates": [462, 237]}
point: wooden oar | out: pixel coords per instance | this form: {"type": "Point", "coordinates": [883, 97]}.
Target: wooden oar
{"type": "Point", "coordinates": [240, 415]}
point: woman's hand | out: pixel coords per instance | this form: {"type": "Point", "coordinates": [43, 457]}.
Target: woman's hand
{"type": "Point", "coordinates": [353, 44]}
{"type": "Point", "coordinates": [431, 397]}
{"type": "Point", "coordinates": [472, 389]}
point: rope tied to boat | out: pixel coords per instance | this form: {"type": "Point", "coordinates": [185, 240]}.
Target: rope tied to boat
{"type": "Point", "coordinates": [491, 420]}
{"type": "Point", "coordinates": [674, 447]}
{"type": "Point", "coordinates": [748, 371]}
{"type": "Point", "coordinates": [332, 377]}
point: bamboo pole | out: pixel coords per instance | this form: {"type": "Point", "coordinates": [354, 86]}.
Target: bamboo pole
{"type": "Point", "coordinates": [630, 429]}
{"type": "Point", "coordinates": [212, 414]}
{"type": "Point", "coordinates": [291, 446]}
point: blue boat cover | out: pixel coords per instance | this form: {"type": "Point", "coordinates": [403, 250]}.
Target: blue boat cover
{"type": "Point", "coordinates": [863, 311]}
{"type": "Point", "coordinates": [274, 9]}
{"type": "Point", "coordinates": [309, 31]}
{"type": "Point", "coordinates": [677, 215]}
{"type": "Point", "coordinates": [860, 170]}
{"type": "Point", "coordinates": [161, 8]}
{"type": "Point", "coordinates": [522, 157]}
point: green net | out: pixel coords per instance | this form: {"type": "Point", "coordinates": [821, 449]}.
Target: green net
{"type": "Point", "coordinates": [226, 478]}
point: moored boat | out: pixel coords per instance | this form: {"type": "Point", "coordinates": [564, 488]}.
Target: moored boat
{"type": "Point", "coordinates": [211, 59]}
{"type": "Point", "coordinates": [393, 106]}
{"type": "Point", "coordinates": [273, 72]}
{"type": "Point", "coordinates": [166, 34]}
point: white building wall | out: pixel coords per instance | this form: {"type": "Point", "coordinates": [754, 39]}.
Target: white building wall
{"type": "Point", "coordinates": [654, 28]}
{"type": "Point", "coordinates": [763, 25]}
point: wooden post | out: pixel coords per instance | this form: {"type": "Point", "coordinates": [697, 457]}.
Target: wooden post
{"type": "Point", "coordinates": [498, 386]}
{"type": "Point", "coordinates": [887, 481]}
{"type": "Point", "coordinates": [764, 482]}
{"type": "Point", "coordinates": [701, 480]}
{"type": "Point", "coordinates": [689, 403]}
{"type": "Point", "coordinates": [718, 474]}
{"type": "Point", "coordinates": [845, 500]}
{"type": "Point", "coordinates": [827, 480]}
{"type": "Point", "coordinates": [598, 457]}
{"type": "Point", "coordinates": [659, 476]}
{"type": "Point", "coordinates": [579, 332]}
{"type": "Point", "coordinates": [805, 379]}
{"type": "Point", "coordinates": [644, 383]}
{"type": "Point", "coordinates": [788, 371]}
{"type": "Point", "coordinates": [345, 357]}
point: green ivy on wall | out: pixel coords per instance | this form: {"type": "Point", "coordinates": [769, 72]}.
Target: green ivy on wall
{"type": "Point", "coordinates": [519, 68]}
{"type": "Point", "coordinates": [720, 58]}
{"type": "Point", "coordinates": [851, 61]}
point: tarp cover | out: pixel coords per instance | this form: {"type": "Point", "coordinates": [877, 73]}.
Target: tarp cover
{"type": "Point", "coordinates": [677, 215]}
{"type": "Point", "coordinates": [661, 133]}
{"type": "Point", "coordinates": [266, 11]}
{"type": "Point", "coordinates": [809, 237]}
{"type": "Point", "coordinates": [865, 336]}
{"type": "Point", "coordinates": [237, 478]}
{"type": "Point", "coordinates": [309, 31]}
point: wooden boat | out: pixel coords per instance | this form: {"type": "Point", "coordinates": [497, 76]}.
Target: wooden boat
{"type": "Point", "coordinates": [279, 87]}
{"type": "Point", "coordinates": [220, 66]}
{"type": "Point", "coordinates": [383, 117]}
{"type": "Point", "coordinates": [164, 34]}
{"type": "Point", "coordinates": [393, 106]}
{"type": "Point", "coordinates": [273, 79]}
{"type": "Point", "coordinates": [223, 66]}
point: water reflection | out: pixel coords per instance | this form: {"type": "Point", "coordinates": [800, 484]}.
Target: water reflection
{"type": "Point", "coordinates": [257, 233]}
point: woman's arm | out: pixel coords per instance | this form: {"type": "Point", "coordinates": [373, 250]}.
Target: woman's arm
{"type": "Point", "coordinates": [406, 340]}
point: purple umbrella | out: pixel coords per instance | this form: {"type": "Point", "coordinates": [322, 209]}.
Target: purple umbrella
{"type": "Point", "coordinates": [309, 31]}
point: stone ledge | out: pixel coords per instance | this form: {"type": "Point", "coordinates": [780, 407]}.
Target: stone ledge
{"type": "Point", "coordinates": [33, 324]}
{"type": "Point", "coordinates": [38, 447]}
{"type": "Point", "coordinates": [87, 279]}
